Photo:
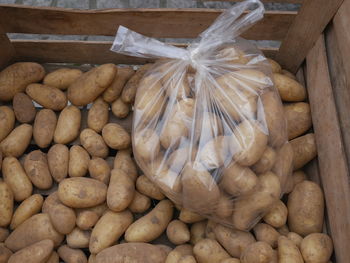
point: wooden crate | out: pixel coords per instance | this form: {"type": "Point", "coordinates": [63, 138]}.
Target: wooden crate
{"type": "Point", "coordinates": [315, 43]}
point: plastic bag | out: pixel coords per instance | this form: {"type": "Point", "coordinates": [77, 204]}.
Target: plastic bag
{"type": "Point", "coordinates": [208, 124]}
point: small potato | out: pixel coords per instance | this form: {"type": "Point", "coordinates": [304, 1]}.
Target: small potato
{"type": "Point", "coordinates": [225, 206]}
{"type": "Point", "coordinates": [7, 121]}
{"type": "Point", "coordinates": [4, 233]}
{"type": "Point", "coordinates": [99, 170]}
{"type": "Point", "coordinates": [116, 136]}
{"type": "Point", "coordinates": [178, 232]}
{"type": "Point", "coordinates": [78, 161]}
{"type": "Point", "coordinates": [146, 144]}
{"type": "Point", "coordinates": [189, 217]}
{"type": "Point", "coordinates": [140, 203]}
{"type": "Point", "coordinates": [304, 149]}
{"type": "Point", "coordinates": [295, 238]}
{"type": "Point", "coordinates": [87, 219]}
{"type": "Point", "coordinates": [298, 177]}
{"type": "Point", "coordinates": [298, 117]}
{"type": "Point", "coordinates": [34, 229]}
{"type": "Point", "coordinates": [259, 252]}
{"type": "Point", "coordinates": [23, 108]}
{"type": "Point", "coordinates": [98, 115]}
{"type": "Point", "coordinates": [58, 160]}
{"type": "Point", "coordinates": [48, 97]}
{"type": "Point", "coordinates": [109, 229]}
{"type": "Point", "coordinates": [277, 216]}
{"type": "Point", "coordinates": [62, 78]}
{"type": "Point", "coordinates": [288, 251]}
{"type": "Point", "coordinates": [316, 247]}
{"type": "Point", "coordinates": [306, 208]}
{"type": "Point", "coordinates": [266, 233]}
{"type": "Point", "coordinates": [197, 231]}
{"type": "Point", "coordinates": [91, 84]}
{"type": "Point", "coordinates": [78, 238]}
{"type": "Point", "coordinates": [124, 162]}
{"type": "Point", "coordinates": [44, 127]}
{"type": "Point", "coordinates": [5, 253]}
{"type": "Point", "coordinates": [38, 252]}
{"type": "Point", "coordinates": [93, 143]}
{"type": "Point", "coordinates": [70, 255]}
{"type": "Point", "coordinates": [148, 188]}
{"type": "Point", "coordinates": [276, 68]}
{"type": "Point", "coordinates": [6, 204]}
{"type": "Point", "coordinates": [54, 258]}
{"type": "Point", "coordinates": [68, 125]}
{"type": "Point", "coordinates": [120, 109]}
{"type": "Point", "coordinates": [215, 152]}
{"type": "Point", "coordinates": [289, 89]}
{"type": "Point", "coordinates": [209, 251]}
{"type": "Point", "coordinates": [16, 77]}
{"type": "Point", "coordinates": [16, 178]}
{"type": "Point", "coordinates": [81, 192]}
{"type": "Point", "coordinates": [152, 225]}
{"type": "Point", "coordinates": [266, 161]}
{"type": "Point", "coordinates": [121, 190]}
{"type": "Point", "coordinates": [17, 141]}
{"type": "Point", "coordinates": [29, 207]}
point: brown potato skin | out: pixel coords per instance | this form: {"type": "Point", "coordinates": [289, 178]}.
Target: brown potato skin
{"type": "Point", "coordinates": [120, 109]}
{"type": "Point", "coordinates": [178, 232]}
{"type": "Point", "coordinates": [7, 121]}
{"type": "Point", "coordinates": [44, 127]}
{"type": "Point", "coordinates": [62, 78]}
{"type": "Point", "coordinates": [116, 137]}
{"type": "Point", "coordinates": [78, 161]}
{"type": "Point", "coordinates": [93, 143]}
{"type": "Point", "coordinates": [259, 252]}
{"type": "Point", "coordinates": [209, 251]}
{"type": "Point", "coordinates": [99, 170]}
{"type": "Point", "coordinates": [48, 97]}
{"type": "Point", "coordinates": [288, 251]}
{"type": "Point", "coordinates": [17, 141]}
{"type": "Point", "coordinates": [16, 77]}
{"type": "Point", "coordinates": [197, 231]}
{"type": "Point", "coordinates": [276, 68]}
{"type": "Point", "coordinates": [296, 238]}
{"type": "Point", "coordinates": [140, 203]}
{"type": "Point", "coordinates": [266, 161]}
{"type": "Point", "coordinates": [224, 207]}
{"type": "Point", "coordinates": [6, 204]}
{"type": "Point", "coordinates": [70, 255]}
{"type": "Point", "coordinates": [78, 238]}
{"type": "Point", "coordinates": [53, 258]}
{"type": "Point", "coordinates": [298, 117]}
{"type": "Point", "coordinates": [266, 233]}
{"type": "Point", "coordinates": [68, 125]}
{"type": "Point", "coordinates": [91, 84]}
{"type": "Point", "coordinates": [189, 217]}
{"type": "Point", "coordinates": [304, 148]}
{"type": "Point", "coordinates": [5, 253]}
{"type": "Point", "coordinates": [98, 115]}
{"type": "Point", "coordinates": [148, 188]}
{"type": "Point", "coordinates": [277, 216]}
{"type": "Point", "coordinates": [88, 217]}
{"type": "Point", "coordinates": [4, 233]}
{"type": "Point", "coordinates": [289, 89]}
{"type": "Point", "coordinates": [58, 160]}
{"type": "Point", "coordinates": [23, 107]}
{"type": "Point", "coordinates": [283, 166]}
{"type": "Point", "coordinates": [38, 252]}
{"type": "Point", "coordinates": [124, 162]}
{"type": "Point", "coordinates": [316, 247]}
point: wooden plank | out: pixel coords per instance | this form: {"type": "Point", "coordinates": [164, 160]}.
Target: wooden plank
{"type": "Point", "coordinates": [334, 171]}
{"type": "Point", "coordinates": [7, 51]}
{"type": "Point", "coordinates": [47, 51]}
{"type": "Point", "coordinates": [310, 22]}
{"type": "Point", "coordinates": [163, 23]}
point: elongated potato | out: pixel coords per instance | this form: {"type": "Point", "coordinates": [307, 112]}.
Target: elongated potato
{"type": "Point", "coordinates": [78, 238]}
{"type": "Point", "coordinates": [120, 109]}
{"type": "Point", "coordinates": [34, 229]}
{"type": "Point", "coordinates": [6, 204]}
{"type": "Point", "coordinates": [4, 233]}
{"type": "Point", "coordinates": [16, 178]}
{"type": "Point", "coordinates": [71, 255]}
{"type": "Point", "coordinates": [197, 231]}
{"type": "Point", "coordinates": [215, 152]}
{"type": "Point", "coordinates": [124, 162]}
{"type": "Point", "coordinates": [288, 251]}
{"type": "Point", "coordinates": [152, 225]}
{"type": "Point", "coordinates": [68, 125]}
{"type": "Point", "coordinates": [54, 258]}
{"type": "Point", "coordinates": [304, 149]}
{"type": "Point", "coordinates": [146, 144]}
{"type": "Point", "coordinates": [140, 203]}
{"type": "Point", "coordinates": [80, 192]}
{"type": "Point", "coordinates": [109, 229]}
{"type": "Point", "coordinates": [91, 84]}
{"type": "Point", "coordinates": [98, 115]}
{"type": "Point", "coordinates": [17, 141]}
{"type": "Point", "coordinates": [259, 252]}
{"type": "Point", "coordinates": [62, 78]}
{"type": "Point", "coordinates": [48, 97]}
{"type": "Point", "coordinates": [23, 108]}
{"type": "Point", "coordinates": [78, 161]}
{"type": "Point", "coordinates": [224, 208]}
{"type": "Point", "coordinates": [209, 251]}
{"type": "Point", "coordinates": [298, 118]}
{"type": "Point", "coordinates": [177, 232]}
{"type": "Point", "coordinates": [93, 143]}
{"type": "Point", "coordinates": [44, 127]}
{"type": "Point", "coordinates": [38, 252]}
{"type": "Point", "coordinates": [5, 253]}
{"type": "Point", "coordinates": [277, 216]}
{"type": "Point", "coordinates": [7, 121]}
{"type": "Point", "coordinates": [99, 170]}
{"type": "Point", "coordinates": [189, 217]}
{"type": "Point", "coordinates": [58, 160]}
{"type": "Point", "coordinates": [16, 77]}
{"type": "Point", "coordinates": [289, 89]}
{"type": "Point", "coordinates": [148, 188]}
{"type": "Point", "coordinates": [266, 233]}
{"type": "Point", "coordinates": [316, 247]}
{"type": "Point", "coordinates": [266, 161]}
{"type": "Point", "coordinates": [116, 137]}
{"type": "Point", "coordinates": [88, 217]}
{"type": "Point", "coordinates": [29, 207]}
{"type": "Point", "coordinates": [284, 164]}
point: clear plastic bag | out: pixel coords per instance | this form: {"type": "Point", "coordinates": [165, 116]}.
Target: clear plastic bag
{"type": "Point", "coordinates": [208, 123]}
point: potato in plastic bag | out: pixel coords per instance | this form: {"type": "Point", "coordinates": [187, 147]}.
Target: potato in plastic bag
{"type": "Point", "coordinates": [208, 125]}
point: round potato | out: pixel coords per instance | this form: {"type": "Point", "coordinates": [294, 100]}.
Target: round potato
{"type": "Point", "coordinates": [289, 89]}
{"type": "Point", "coordinates": [288, 251]}
{"type": "Point", "coordinates": [266, 161]}
{"type": "Point", "coordinates": [7, 121]}
{"type": "Point", "coordinates": [58, 160]}
{"type": "Point", "coordinates": [78, 161]}
{"type": "Point", "coordinates": [259, 252]}
{"type": "Point", "coordinates": [304, 149]}
{"type": "Point", "coordinates": [316, 247]}
{"type": "Point", "coordinates": [23, 108]}
{"type": "Point", "coordinates": [266, 233]}
{"type": "Point", "coordinates": [68, 125]}
{"type": "Point", "coordinates": [120, 109]}
{"type": "Point", "coordinates": [71, 255]}
{"type": "Point", "coordinates": [38, 252]}
{"type": "Point", "coordinates": [87, 219]}
{"type": "Point", "coordinates": [180, 254]}
{"type": "Point", "coordinates": [99, 170]}
{"type": "Point", "coordinates": [116, 137]}
{"type": "Point", "coordinates": [140, 203]}
{"type": "Point", "coordinates": [78, 238]}
{"type": "Point", "coordinates": [178, 232]}
{"type": "Point", "coordinates": [295, 238]}
{"type": "Point", "coordinates": [148, 188]}
{"type": "Point", "coordinates": [124, 162]}
{"type": "Point", "coordinates": [298, 177]}
{"type": "Point", "coordinates": [6, 204]}
{"type": "Point", "coordinates": [17, 141]}
{"type": "Point", "coordinates": [93, 143]}
{"type": "Point", "coordinates": [298, 117]}
{"type": "Point", "coordinates": [44, 127]}
{"type": "Point", "coordinates": [189, 217]}
{"type": "Point", "coordinates": [197, 231]}
{"type": "Point", "coordinates": [5, 253]}
{"type": "Point", "coordinates": [98, 115]}
{"type": "Point", "coordinates": [277, 216]}
{"type": "Point", "coordinates": [209, 251]}
{"type": "Point", "coordinates": [62, 78]}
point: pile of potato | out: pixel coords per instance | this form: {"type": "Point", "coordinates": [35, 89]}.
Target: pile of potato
{"type": "Point", "coordinates": [62, 197]}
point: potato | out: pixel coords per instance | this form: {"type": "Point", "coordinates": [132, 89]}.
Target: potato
{"type": "Point", "coordinates": [266, 233]}
{"type": "Point", "coordinates": [44, 127]}
{"type": "Point", "coordinates": [151, 225]}
{"type": "Point", "coordinates": [306, 208]}
{"type": "Point", "coordinates": [304, 149]}
{"type": "Point", "coordinates": [178, 253]}
{"type": "Point", "coordinates": [146, 144]}
{"type": "Point", "coordinates": [209, 230]}
{"type": "Point", "coordinates": [140, 203]}
{"type": "Point", "coordinates": [266, 161]}
{"type": "Point", "coordinates": [81, 192]}
{"type": "Point", "coordinates": [148, 188]}
{"type": "Point", "coordinates": [5, 253]}
{"type": "Point", "coordinates": [99, 169]}
{"type": "Point", "coordinates": [215, 152]}
{"type": "Point", "coordinates": [259, 252]}
{"type": "Point", "coordinates": [187, 259]}
{"type": "Point", "coordinates": [298, 118]}
{"type": "Point", "coordinates": [277, 216]}
{"type": "Point", "coordinates": [17, 141]}
{"type": "Point", "coordinates": [284, 164]}
{"type": "Point", "coordinates": [48, 97]}
{"type": "Point", "coordinates": [289, 89]}
{"type": "Point", "coordinates": [295, 238]}
{"type": "Point", "coordinates": [71, 255]}
{"type": "Point", "coordinates": [120, 109]}
{"type": "Point", "coordinates": [209, 251]}
{"type": "Point", "coordinates": [316, 247]}
{"type": "Point", "coordinates": [116, 136]}
{"type": "Point", "coordinates": [109, 229]}
{"type": "Point", "coordinates": [78, 238]}
{"type": "Point", "coordinates": [298, 177]}
{"type": "Point", "coordinates": [16, 77]}
{"type": "Point", "coordinates": [53, 258]}
{"type": "Point", "coordinates": [288, 251]}
{"type": "Point", "coordinates": [189, 217]}
{"type": "Point", "coordinates": [92, 258]}
{"type": "Point", "coordinates": [288, 74]}
{"type": "Point", "coordinates": [224, 207]}
{"type": "Point", "coordinates": [146, 253]}
{"type": "Point", "coordinates": [78, 161]}
{"type": "Point", "coordinates": [58, 160]}
{"type": "Point", "coordinates": [34, 229]}
{"type": "Point", "coordinates": [124, 162]}
{"type": "Point", "coordinates": [252, 80]}
{"type": "Point", "coordinates": [234, 241]}
{"type": "Point", "coordinates": [7, 121]}
{"type": "Point", "coordinates": [283, 230]}
{"type": "Point", "coordinates": [62, 78]}
{"type": "Point", "coordinates": [115, 89]}
{"type": "Point", "coordinates": [38, 252]}
{"type": "Point", "coordinates": [23, 108]}
{"type": "Point", "coordinates": [93, 143]}
{"type": "Point", "coordinates": [231, 260]}
{"type": "Point", "coordinates": [68, 125]}
{"type": "Point", "coordinates": [120, 191]}
{"type": "Point", "coordinates": [16, 178]}
{"type": "Point", "coordinates": [6, 204]}
{"type": "Point", "coordinates": [98, 115]}
{"type": "Point", "coordinates": [276, 68]}
{"type": "Point", "coordinates": [88, 217]}
{"type": "Point", "coordinates": [233, 55]}
{"type": "Point", "coordinates": [177, 232]}
{"type": "Point", "coordinates": [197, 231]}
{"type": "Point", "coordinates": [4, 233]}
{"type": "Point", "coordinates": [91, 84]}
{"type": "Point", "coordinates": [29, 207]}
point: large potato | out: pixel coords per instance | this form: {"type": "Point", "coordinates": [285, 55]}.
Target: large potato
{"type": "Point", "coordinates": [68, 125]}
{"type": "Point", "coordinates": [91, 84]}
{"type": "Point", "coordinates": [24, 108]}
{"type": "Point", "coordinates": [146, 144]}
{"type": "Point", "coordinates": [78, 238]}
{"type": "Point", "coordinates": [120, 109]}
{"type": "Point", "coordinates": [44, 127]}
{"type": "Point", "coordinates": [266, 161]}
{"type": "Point", "coordinates": [98, 115]}
{"type": "Point", "coordinates": [289, 89]}
{"type": "Point", "coordinates": [116, 137]}
{"type": "Point", "coordinates": [209, 251]}
{"type": "Point", "coordinates": [34, 229]}
{"type": "Point", "coordinates": [306, 208]}
{"type": "Point", "coordinates": [109, 229]}
{"type": "Point", "coordinates": [259, 252]}
{"type": "Point", "coordinates": [62, 78]}
{"type": "Point", "coordinates": [304, 149]}
{"type": "Point", "coordinates": [288, 251]}
{"type": "Point", "coordinates": [17, 141]}
{"type": "Point", "coordinates": [177, 232]}
{"type": "Point", "coordinates": [124, 162]}
{"type": "Point", "coordinates": [5, 253]}
{"type": "Point", "coordinates": [38, 252]}
{"type": "Point", "coordinates": [140, 203]}
{"type": "Point", "coordinates": [15, 176]}
{"type": "Point", "coordinates": [99, 170]}
{"type": "Point", "coordinates": [152, 225]}
{"type": "Point", "coordinates": [316, 247]}
{"type": "Point", "coordinates": [58, 159]}
{"type": "Point", "coordinates": [71, 255]}
{"type": "Point", "coordinates": [78, 161]}
{"type": "Point", "coordinates": [296, 238]}
{"type": "Point", "coordinates": [6, 204]}
{"type": "Point", "coordinates": [298, 117]}
{"type": "Point", "coordinates": [7, 121]}
{"type": "Point", "coordinates": [48, 97]}
{"type": "Point", "coordinates": [17, 77]}
{"type": "Point", "coordinates": [266, 233]}
{"type": "Point", "coordinates": [148, 188]}
{"type": "Point", "coordinates": [277, 216]}
{"type": "Point", "coordinates": [93, 143]}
